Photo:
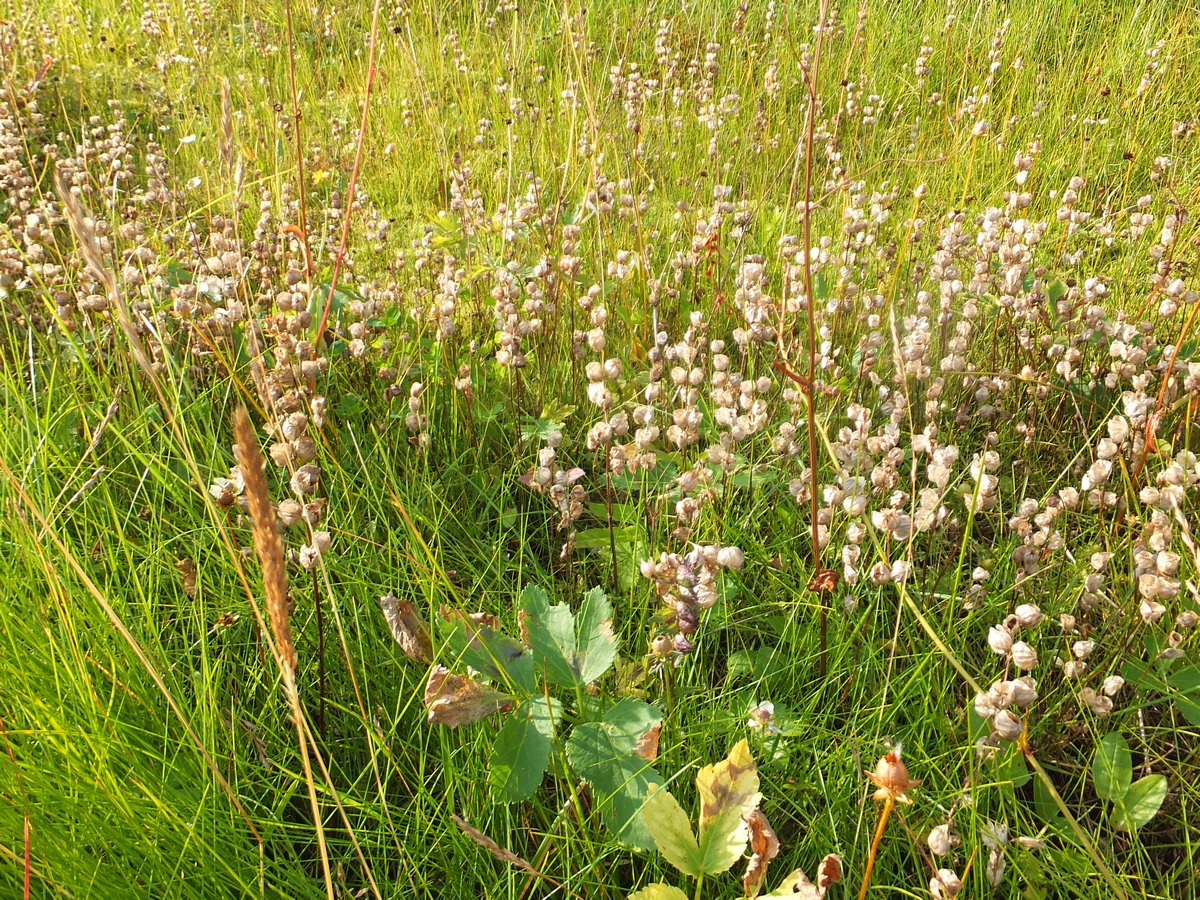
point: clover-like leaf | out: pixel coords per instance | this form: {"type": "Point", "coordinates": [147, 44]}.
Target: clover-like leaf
{"type": "Point", "coordinates": [1140, 803]}
{"type": "Point", "coordinates": [1112, 769]}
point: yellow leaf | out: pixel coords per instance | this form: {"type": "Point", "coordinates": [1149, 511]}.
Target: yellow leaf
{"type": "Point", "coordinates": [672, 832]}
{"type": "Point", "coordinates": [659, 891]}
{"type": "Point", "coordinates": [728, 794]}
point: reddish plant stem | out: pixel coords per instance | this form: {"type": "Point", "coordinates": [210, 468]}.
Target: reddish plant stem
{"type": "Point", "coordinates": [320, 654]}
{"type": "Point", "coordinates": [296, 116]}
{"type": "Point", "coordinates": [358, 155]}
{"type": "Point", "coordinates": [810, 309]}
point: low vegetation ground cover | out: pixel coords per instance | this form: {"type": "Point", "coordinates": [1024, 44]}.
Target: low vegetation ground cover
{"type": "Point", "coordinates": [678, 445]}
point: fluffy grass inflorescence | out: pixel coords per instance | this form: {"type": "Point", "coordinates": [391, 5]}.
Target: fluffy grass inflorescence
{"type": "Point", "coordinates": [851, 348]}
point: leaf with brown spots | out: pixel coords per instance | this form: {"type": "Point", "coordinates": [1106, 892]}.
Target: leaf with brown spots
{"type": "Point", "coordinates": [408, 628]}
{"type": "Point", "coordinates": [454, 700]}
{"type": "Point", "coordinates": [728, 794]}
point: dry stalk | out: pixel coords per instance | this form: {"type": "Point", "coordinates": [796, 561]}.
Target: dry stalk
{"type": "Point", "coordinates": [269, 548]}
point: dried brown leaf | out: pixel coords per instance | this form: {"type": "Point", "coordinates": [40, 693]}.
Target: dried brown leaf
{"type": "Point", "coordinates": [499, 852]}
{"type": "Point", "coordinates": [647, 745]}
{"type": "Point", "coordinates": [764, 846]}
{"type": "Point", "coordinates": [454, 700]}
{"type": "Point", "coordinates": [408, 628]}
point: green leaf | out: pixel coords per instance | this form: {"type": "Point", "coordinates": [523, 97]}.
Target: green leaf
{"type": "Point", "coordinates": [1187, 682]}
{"type": "Point", "coordinates": [491, 652]}
{"type": "Point", "coordinates": [728, 793]}
{"type": "Point", "coordinates": [1015, 769]}
{"type": "Point", "coordinates": [596, 646]}
{"type": "Point", "coordinates": [573, 653]}
{"type": "Point", "coordinates": [521, 752]}
{"type": "Point", "coordinates": [1112, 769]}
{"type": "Point", "coordinates": [673, 832]}
{"type": "Point", "coordinates": [659, 891]}
{"type": "Point", "coordinates": [1044, 803]}
{"type": "Point", "coordinates": [602, 753]}
{"type": "Point", "coordinates": [1140, 803]}
{"type": "Point", "coordinates": [550, 633]}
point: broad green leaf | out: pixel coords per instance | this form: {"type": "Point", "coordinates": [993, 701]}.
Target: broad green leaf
{"type": "Point", "coordinates": [728, 793]}
{"type": "Point", "coordinates": [550, 633]}
{"type": "Point", "coordinates": [596, 646]}
{"type": "Point", "coordinates": [1187, 682]}
{"type": "Point", "coordinates": [659, 891]}
{"type": "Point", "coordinates": [521, 752]}
{"type": "Point", "coordinates": [1044, 804]}
{"type": "Point", "coordinates": [672, 832]}
{"type": "Point", "coordinates": [1140, 803]}
{"type": "Point", "coordinates": [486, 650]}
{"type": "Point", "coordinates": [572, 651]}
{"type": "Point", "coordinates": [1112, 769]}
{"type": "Point", "coordinates": [603, 754]}
{"type": "Point", "coordinates": [1014, 769]}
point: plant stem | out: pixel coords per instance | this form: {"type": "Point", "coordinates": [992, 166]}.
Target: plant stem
{"type": "Point", "coordinates": [296, 116]}
{"type": "Point", "coordinates": [358, 155]}
{"type": "Point", "coordinates": [320, 654]}
{"type": "Point", "coordinates": [884, 814]}
{"type": "Point", "coordinates": [810, 309]}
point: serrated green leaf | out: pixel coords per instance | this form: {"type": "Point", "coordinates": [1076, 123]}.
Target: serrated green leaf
{"type": "Point", "coordinates": [1140, 803]}
{"type": "Point", "coordinates": [491, 652]}
{"type": "Point", "coordinates": [728, 793]}
{"type": "Point", "coordinates": [521, 752]}
{"type": "Point", "coordinates": [602, 753]}
{"type": "Point", "coordinates": [596, 645]}
{"type": "Point", "coordinates": [672, 832]}
{"type": "Point", "coordinates": [659, 891]}
{"type": "Point", "coordinates": [1112, 769]}
{"type": "Point", "coordinates": [550, 633]}
{"type": "Point", "coordinates": [572, 652]}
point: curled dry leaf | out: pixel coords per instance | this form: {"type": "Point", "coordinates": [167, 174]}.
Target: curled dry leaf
{"type": "Point", "coordinates": [408, 628]}
{"type": "Point", "coordinates": [824, 580]}
{"type": "Point", "coordinates": [454, 700]}
{"type": "Point", "coordinates": [647, 745]}
{"type": "Point", "coordinates": [764, 846]}
{"type": "Point", "coordinates": [187, 569]}
{"type": "Point", "coordinates": [797, 886]}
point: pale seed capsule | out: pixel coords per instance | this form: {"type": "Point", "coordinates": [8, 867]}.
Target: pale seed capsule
{"type": "Point", "coordinates": [1024, 656]}
{"type": "Point", "coordinates": [1006, 725]}
{"type": "Point", "coordinates": [1028, 615]}
{"type": "Point", "coordinates": [1000, 640]}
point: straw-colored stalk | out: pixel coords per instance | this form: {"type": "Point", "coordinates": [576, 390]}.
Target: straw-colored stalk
{"type": "Point", "coordinates": [269, 548]}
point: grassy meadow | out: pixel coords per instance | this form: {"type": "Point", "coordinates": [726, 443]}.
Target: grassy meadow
{"type": "Point", "coordinates": [633, 380]}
